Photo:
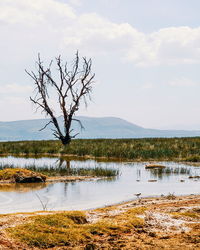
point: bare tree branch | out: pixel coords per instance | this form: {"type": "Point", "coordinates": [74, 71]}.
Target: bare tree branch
{"type": "Point", "coordinates": [80, 123]}
{"type": "Point", "coordinates": [72, 86]}
{"type": "Point", "coordinates": [45, 125]}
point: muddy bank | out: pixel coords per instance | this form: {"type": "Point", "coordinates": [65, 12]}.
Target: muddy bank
{"type": "Point", "coordinates": [71, 178]}
{"type": "Point", "coordinates": [58, 179]}
{"type": "Point", "coordinates": [153, 223]}
{"type": "Point", "coordinates": [18, 175]}
{"type": "Point", "coordinates": [10, 176]}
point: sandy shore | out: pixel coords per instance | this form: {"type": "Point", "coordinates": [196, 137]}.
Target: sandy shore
{"type": "Point", "coordinates": [169, 223]}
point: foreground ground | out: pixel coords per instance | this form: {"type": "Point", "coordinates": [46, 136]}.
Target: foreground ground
{"type": "Point", "coordinates": [158, 223]}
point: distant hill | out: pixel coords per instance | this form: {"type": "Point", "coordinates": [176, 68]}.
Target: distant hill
{"type": "Point", "coordinates": [105, 127]}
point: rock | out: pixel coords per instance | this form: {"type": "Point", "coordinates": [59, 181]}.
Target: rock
{"type": "Point", "coordinates": [165, 237]}
{"type": "Point", "coordinates": [21, 175]}
{"type": "Point", "coordinates": [141, 231]}
{"type": "Point", "coordinates": [27, 176]}
{"type": "Point", "coordinates": [90, 246]}
{"type": "Point", "coordinates": [152, 234]}
{"type": "Point", "coordinates": [194, 177]}
{"type": "Point", "coordinates": [29, 179]}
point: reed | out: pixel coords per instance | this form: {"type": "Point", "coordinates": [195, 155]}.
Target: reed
{"type": "Point", "coordinates": [63, 171]}
{"type": "Point", "coordinates": [180, 149]}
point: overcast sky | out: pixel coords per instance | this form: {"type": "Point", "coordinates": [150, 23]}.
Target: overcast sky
{"type": "Point", "coordinates": [146, 56]}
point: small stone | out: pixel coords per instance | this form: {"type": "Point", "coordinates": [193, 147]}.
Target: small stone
{"type": "Point", "coordinates": [29, 179]}
{"type": "Point", "coordinates": [165, 237]}
{"type": "Point", "coordinates": [90, 247]}
{"type": "Point", "coordinates": [152, 234]}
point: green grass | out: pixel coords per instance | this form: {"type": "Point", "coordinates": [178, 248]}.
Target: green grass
{"type": "Point", "coordinates": [180, 149]}
{"type": "Point", "coordinates": [96, 171]}
{"type": "Point", "coordinates": [62, 171]}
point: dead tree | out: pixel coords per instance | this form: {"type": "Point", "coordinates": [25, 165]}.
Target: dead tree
{"type": "Point", "coordinates": [72, 86]}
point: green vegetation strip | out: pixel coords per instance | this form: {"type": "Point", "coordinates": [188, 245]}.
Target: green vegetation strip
{"type": "Point", "coordinates": [8, 171]}
{"type": "Point", "coordinates": [181, 149]}
{"type": "Point", "coordinates": [72, 228]}
{"type": "Point", "coordinates": [96, 172]}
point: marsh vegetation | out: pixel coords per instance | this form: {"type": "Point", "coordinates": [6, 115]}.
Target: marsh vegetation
{"type": "Point", "coordinates": [166, 149]}
{"type": "Point", "coordinates": [62, 171]}
{"type": "Point", "coordinates": [163, 172]}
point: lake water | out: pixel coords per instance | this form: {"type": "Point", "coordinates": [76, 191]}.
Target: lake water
{"type": "Point", "coordinates": [133, 178]}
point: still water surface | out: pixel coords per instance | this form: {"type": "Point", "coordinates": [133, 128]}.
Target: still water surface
{"type": "Point", "coordinates": [133, 178]}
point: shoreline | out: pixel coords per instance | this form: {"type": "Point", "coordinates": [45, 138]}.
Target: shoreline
{"type": "Point", "coordinates": [54, 179]}
{"type": "Point", "coordinates": [97, 158]}
{"type": "Point", "coordinates": [129, 203]}
{"type": "Point", "coordinates": [159, 222]}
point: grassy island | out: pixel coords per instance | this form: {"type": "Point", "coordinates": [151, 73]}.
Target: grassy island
{"type": "Point", "coordinates": [33, 174]}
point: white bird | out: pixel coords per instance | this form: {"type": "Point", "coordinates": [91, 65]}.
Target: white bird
{"type": "Point", "coordinates": [138, 195]}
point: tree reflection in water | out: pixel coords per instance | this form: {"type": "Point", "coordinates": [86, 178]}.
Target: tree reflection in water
{"type": "Point", "coordinates": [62, 162]}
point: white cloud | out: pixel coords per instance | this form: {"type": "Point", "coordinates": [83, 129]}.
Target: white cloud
{"type": "Point", "coordinates": [52, 27]}
{"type": "Point", "coordinates": [147, 86]}
{"type": "Point", "coordinates": [76, 2]}
{"type": "Point", "coordinates": [169, 46]}
{"type": "Point", "coordinates": [183, 82]}
{"type": "Point", "coordinates": [30, 12]}
{"type": "Point", "coordinates": [176, 45]}
{"type": "Point", "coordinates": [14, 88]}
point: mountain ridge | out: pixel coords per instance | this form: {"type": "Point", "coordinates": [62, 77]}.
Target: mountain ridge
{"type": "Point", "coordinates": [95, 127]}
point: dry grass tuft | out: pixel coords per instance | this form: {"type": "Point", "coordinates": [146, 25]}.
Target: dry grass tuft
{"type": "Point", "coordinates": [130, 218]}
{"type": "Point", "coordinates": [60, 229]}
{"type": "Point", "coordinates": [16, 174]}
{"type": "Point", "coordinates": [190, 214]}
{"type": "Point", "coordinates": [72, 228]}
{"type": "Point", "coordinates": [124, 229]}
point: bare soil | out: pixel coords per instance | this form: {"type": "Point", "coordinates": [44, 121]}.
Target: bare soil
{"type": "Point", "coordinates": [169, 223]}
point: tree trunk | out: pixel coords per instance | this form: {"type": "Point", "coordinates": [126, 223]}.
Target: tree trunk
{"type": "Point", "coordinates": [66, 140]}
{"type": "Point", "coordinates": [68, 164]}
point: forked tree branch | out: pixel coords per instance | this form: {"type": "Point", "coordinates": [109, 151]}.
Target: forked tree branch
{"type": "Point", "coordinates": [71, 87]}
